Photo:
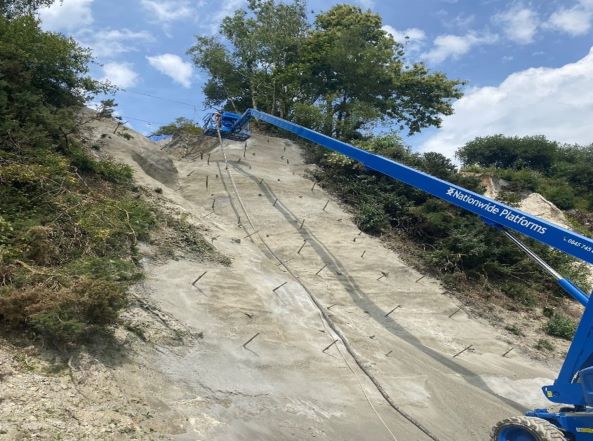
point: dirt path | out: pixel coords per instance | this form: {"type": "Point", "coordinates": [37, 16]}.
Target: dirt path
{"type": "Point", "coordinates": [283, 386]}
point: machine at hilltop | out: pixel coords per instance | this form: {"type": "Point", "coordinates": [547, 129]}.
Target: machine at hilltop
{"type": "Point", "coordinates": [573, 388]}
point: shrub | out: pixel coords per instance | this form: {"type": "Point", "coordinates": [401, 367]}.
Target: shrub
{"type": "Point", "coordinates": [519, 293]}
{"type": "Point", "coordinates": [544, 345]}
{"type": "Point", "coordinates": [560, 193]}
{"type": "Point", "coordinates": [561, 326]}
{"type": "Point", "coordinates": [67, 314]}
{"type": "Point", "coordinates": [371, 217]}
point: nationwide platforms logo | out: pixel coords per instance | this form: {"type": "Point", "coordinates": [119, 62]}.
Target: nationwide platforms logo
{"type": "Point", "coordinates": [496, 209]}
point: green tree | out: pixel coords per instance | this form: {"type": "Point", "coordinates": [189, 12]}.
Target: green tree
{"type": "Point", "coordinates": [180, 126]}
{"type": "Point", "coordinates": [258, 68]}
{"type": "Point", "coordinates": [357, 75]}
{"type": "Point", "coordinates": [13, 8]}
{"type": "Point", "coordinates": [340, 76]}
{"type": "Point", "coordinates": [533, 152]}
{"type": "Point", "coordinates": [44, 83]}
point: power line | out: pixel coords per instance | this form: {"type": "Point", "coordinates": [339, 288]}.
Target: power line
{"type": "Point", "coordinates": [125, 117]}
{"type": "Point", "coordinates": [193, 106]}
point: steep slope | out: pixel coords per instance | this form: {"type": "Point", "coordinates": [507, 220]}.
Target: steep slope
{"type": "Point", "coordinates": [336, 322]}
{"type": "Point", "coordinates": [283, 385]}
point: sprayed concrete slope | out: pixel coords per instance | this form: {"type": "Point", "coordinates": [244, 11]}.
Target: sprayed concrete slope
{"type": "Point", "coordinates": [282, 386]}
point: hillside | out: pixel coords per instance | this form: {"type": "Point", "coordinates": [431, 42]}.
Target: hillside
{"type": "Point", "coordinates": [185, 373]}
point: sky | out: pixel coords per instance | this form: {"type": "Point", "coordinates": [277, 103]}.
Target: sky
{"type": "Point", "coordinates": [528, 64]}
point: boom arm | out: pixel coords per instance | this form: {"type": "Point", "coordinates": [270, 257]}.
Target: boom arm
{"type": "Point", "coordinates": [493, 212]}
{"type": "Point", "coordinates": [580, 355]}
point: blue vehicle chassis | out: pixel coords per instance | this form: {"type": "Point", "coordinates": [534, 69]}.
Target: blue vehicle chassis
{"type": "Point", "coordinates": [574, 384]}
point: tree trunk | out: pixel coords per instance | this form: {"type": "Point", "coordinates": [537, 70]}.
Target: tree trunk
{"type": "Point", "coordinates": [328, 125]}
{"type": "Point", "coordinates": [273, 108]}
{"type": "Point", "coordinates": [253, 95]}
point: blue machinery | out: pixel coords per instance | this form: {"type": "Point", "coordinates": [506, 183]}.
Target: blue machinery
{"type": "Point", "coordinates": [574, 385]}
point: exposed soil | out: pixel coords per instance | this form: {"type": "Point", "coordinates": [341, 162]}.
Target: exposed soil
{"type": "Point", "coordinates": [296, 256]}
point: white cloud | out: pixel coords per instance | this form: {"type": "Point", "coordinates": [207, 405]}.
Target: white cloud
{"type": "Point", "coordinates": [574, 21]}
{"type": "Point", "coordinates": [555, 102]}
{"type": "Point", "coordinates": [120, 74]}
{"type": "Point", "coordinates": [110, 42]}
{"type": "Point", "coordinates": [67, 15]}
{"type": "Point", "coordinates": [413, 38]}
{"type": "Point", "coordinates": [167, 11]}
{"type": "Point", "coordinates": [519, 24]}
{"type": "Point", "coordinates": [454, 46]}
{"type": "Point", "coordinates": [173, 66]}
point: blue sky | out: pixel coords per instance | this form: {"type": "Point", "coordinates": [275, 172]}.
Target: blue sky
{"type": "Point", "coordinates": [528, 64]}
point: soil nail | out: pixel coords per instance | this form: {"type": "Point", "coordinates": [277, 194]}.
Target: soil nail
{"type": "Point", "coordinates": [505, 354]}
{"type": "Point", "coordinates": [198, 279]}
{"type": "Point", "coordinates": [418, 280]}
{"type": "Point", "coordinates": [329, 346]}
{"type": "Point", "coordinates": [302, 246]}
{"type": "Point", "coordinates": [249, 235]}
{"type": "Point", "coordinates": [325, 206]}
{"type": "Point", "coordinates": [389, 313]}
{"type": "Point", "coordinates": [279, 286]}
{"type": "Point", "coordinates": [363, 253]}
{"type": "Point", "coordinates": [383, 274]}
{"type": "Point", "coordinates": [454, 312]}
{"type": "Point", "coordinates": [463, 350]}
{"type": "Point", "coordinates": [313, 187]}
{"type": "Point", "coordinates": [387, 355]}
{"type": "Point", "coordinates": [322, 268]}
{"type": "Point", "coordinates": [250, 340]}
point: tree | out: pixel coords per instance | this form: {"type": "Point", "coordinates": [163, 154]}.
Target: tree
{"type": "Point", "coordinates": [258, 68]}
{"type": "Point", "coordinates": [13, 8]}
{"type": "Point", "coordinates": [341, 75]}
{"type": "Point", "coordinates": [43, 83]}
{"type": "Point", "coordinates": [180, 126]}
{"type": "Point", "coordinates": [532, 152]}
{"type": "Point", "coordinates": [358, 76]}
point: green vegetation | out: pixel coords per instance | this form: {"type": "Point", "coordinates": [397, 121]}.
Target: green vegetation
{"type": "Point", "coordinates": [181, 126]}
{"type": "Point", "coordinates": [533, 163]}
{"type": "Point", "coordinates": [64, 214]}
{"type": "Point", "coordinates": [14, 8]}
{"type": "Point", "coordinates": [69, 221]}
{"type": "Point", "coordinates": [452, 243]}
{"type": "Point", "coordinates": [341, 75]}
{"type": "Point", "coordinates": [544, 345]}
{"type": "Point", "coordinates": [561, 326]}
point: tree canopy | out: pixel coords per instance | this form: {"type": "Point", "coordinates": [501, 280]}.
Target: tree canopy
{"type": "Point", "coordinates": [43, 82]}
{"type": "Point", "coordinates": [181, 126]}
{"type": "Point", "coordinates": [340, 74]}
{"type": "Point", "coordinates": [534, 152]}
{"type": "Point", "coordinates": [13, 8]}
{"type": "Point", "coordinates": [534, 163]}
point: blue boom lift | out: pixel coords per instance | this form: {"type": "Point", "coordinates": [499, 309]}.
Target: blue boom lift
{"type": "Point", "coordinates": [574, 386]}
